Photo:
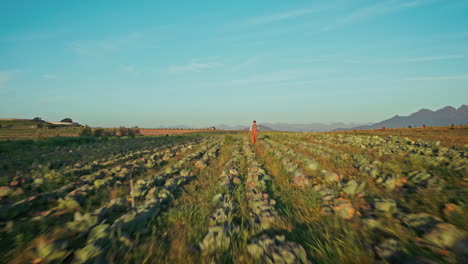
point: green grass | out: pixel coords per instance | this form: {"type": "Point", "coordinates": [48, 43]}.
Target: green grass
{"type": "Point", "coordinates": [18, 123]}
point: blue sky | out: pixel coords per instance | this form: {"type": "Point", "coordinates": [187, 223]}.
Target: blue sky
{"type": "Point", "coordinates": [201, 63]}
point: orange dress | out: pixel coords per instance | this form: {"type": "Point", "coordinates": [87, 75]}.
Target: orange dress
{"type": "Point", "coordinates": [253, 132]}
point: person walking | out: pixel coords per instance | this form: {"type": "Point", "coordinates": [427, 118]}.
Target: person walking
{"type": "Point", "coordinates": [254, 131]}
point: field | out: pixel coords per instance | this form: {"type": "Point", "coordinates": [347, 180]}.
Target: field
{"type": "Point", "coordinates": [211, 197]}
{"type": "Point", "coordinates": [30, 132]}
{"type": "Point", "coordinates": [14, 129]}
{"type": "Point", "coordinates": [447, 136]}
{"type": "Point", "coordinates": [158, 132]}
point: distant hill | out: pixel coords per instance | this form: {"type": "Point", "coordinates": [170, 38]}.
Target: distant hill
{"type": "Point", "coordinates": [264, 128]}
{"type": "Point", "coordinates": [228, 127]}
{"type": "Point", "coordinates": [311, 127]}
{"type": "Point", "coordinates": [443, 117]}
{"type": "Point", "coordinates": [260, 127]}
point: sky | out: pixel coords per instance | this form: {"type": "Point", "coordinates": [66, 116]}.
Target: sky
{"type": "Point", "coordinates": [202, 63]}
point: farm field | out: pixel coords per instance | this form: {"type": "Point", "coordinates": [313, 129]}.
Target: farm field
{"type": "Point", "coordinates": [37, 133]}
{"type": "Point", "coordinates": [447, 136]}
{"type": "Point", "coordinates": [158, 132]}
{"type": "Point", "coordinates": [40, 133]}
{"type": "Point", "coordinates": [215, 198]}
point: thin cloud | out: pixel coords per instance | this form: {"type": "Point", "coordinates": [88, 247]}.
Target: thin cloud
{"type": "Point", "coordinates": [435, 58]}
{"type": "Point", "coordinates": [262, 79]}
{"type": "Point", "coordinates": [319, 58]}
{"type": "Point", "coordinates": [369, 12]}
{"type": "Point", "coordinates": [5, 78]}
{"type": "Point", "coordinates": [418, 59]}
{"type": "Point", "coordinates": [246, 63]}
{"type": "Point", "coordinates": [128, 68]}
{"type": "Point", "coordinates": [438, 78]}
{"type": "Point", "coordinates": [284, 15]}
{"type": "Point", "coordinates": [93, 46]}
{"type": "Point", "coordinates": [49, 76]}
{"type": "Point", "coordinates": [356, 59]}
{"type": "Point", "coordinates": [195, 65]}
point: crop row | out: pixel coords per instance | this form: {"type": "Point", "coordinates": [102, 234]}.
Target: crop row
{"type": "Point", "coordinates": [264, 247]}
{"type": "Point", "coordinates": [326, 184]}
{"type": "Point", "coordinates": [222, 225]}
{"type": "Point", "coordinates": [98, 236]}
{"type": "Point", "coordinates": [43, 161]}
{"type": "Point", "coordinates": [66, 177]}
{"type": "Point", "coordinates": [130, 225]}
{"type": "Point", "coordinates": [429, 153]}
{"type": "Point", "coordinates": [69, 195]}
{"type": "Point", "coordinates": [380, 172]}
{"type": "Point", "coordinates": [436, 234]}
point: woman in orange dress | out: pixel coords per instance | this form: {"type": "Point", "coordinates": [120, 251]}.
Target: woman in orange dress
{"type": "Point", "coordinates": [253, 131]}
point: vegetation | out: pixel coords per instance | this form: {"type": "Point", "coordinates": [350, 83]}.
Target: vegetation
{"type": "Point", "coordinates": [110, 132]}
{"type": "Point", "coordinates": [447, 136]}
{"type": "Point", "coordinates": [14, 130]}
{"type": "Point", "coordinates": [213, 197]}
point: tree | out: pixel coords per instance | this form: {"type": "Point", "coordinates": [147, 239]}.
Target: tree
{"type": "Point", "coordinates": [38, 119]}
{"type": "Point", "coordinates": [424, 125]}
{"type": "Point", "coordinates": [409, 126]}
{"type": "Point", "coordinates": [67, 120]}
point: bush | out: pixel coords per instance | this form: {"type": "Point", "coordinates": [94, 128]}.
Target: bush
{"type": "Point", "coordinates": [134, 131]}
{"type": "Point", "coordinates": [111, 132]}
{"type": "Point", "coordinates": [99, 132]}
{"type": "Point", "coordinates": [68, 120]}
{"type": "Point", "coordinates": [123, 131]}
{"type": "Point", "coordinates": [86, 132]}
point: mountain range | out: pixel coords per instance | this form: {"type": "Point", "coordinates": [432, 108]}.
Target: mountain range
{"type": "Point", "coordinates": [292, 127]}
{"type": "Point", "coordinates": [443, 117]}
